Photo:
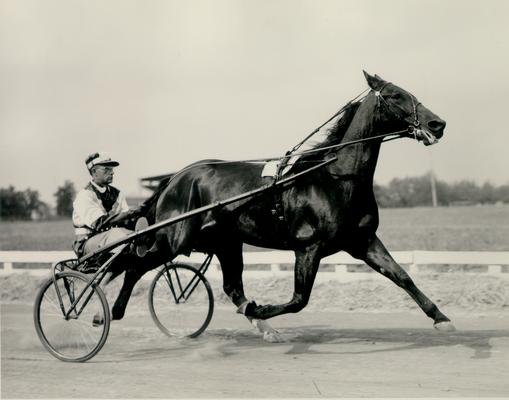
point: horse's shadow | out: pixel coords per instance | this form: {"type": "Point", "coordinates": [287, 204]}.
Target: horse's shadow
{"type": "Point", "coordinates": [219, 343]}
{"type": "Point", "coordinates": [305, 340]}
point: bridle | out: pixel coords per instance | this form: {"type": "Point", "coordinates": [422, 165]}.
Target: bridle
{"type": "Point", "coordinates": [414, 127]}
{"type": "Point", "coordinates": [378, 94]}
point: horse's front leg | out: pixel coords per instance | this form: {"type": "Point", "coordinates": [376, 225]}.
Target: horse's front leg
{"type": "Point", "coordinates": [306, 266]}
{"type": "Point", "coordinates": [378, 258]}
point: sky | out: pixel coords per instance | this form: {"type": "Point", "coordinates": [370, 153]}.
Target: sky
{"type": "Point", "coordinates": [161, 84]}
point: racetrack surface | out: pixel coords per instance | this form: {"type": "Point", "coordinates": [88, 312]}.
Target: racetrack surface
{"type": "Point", "coordinates": [326, 354]}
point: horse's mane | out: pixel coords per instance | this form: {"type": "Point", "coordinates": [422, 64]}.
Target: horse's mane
{"type": "Point", "coordinates": [333, 137]}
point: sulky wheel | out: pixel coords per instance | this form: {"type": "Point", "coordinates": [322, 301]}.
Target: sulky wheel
{"type": "Point", "coordinates": [181, 301]}
{"type": "Point", "coordinates": [75, 335]}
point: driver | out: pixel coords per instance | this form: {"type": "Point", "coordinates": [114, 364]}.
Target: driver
{"type": "Point", "coordinates": [98, 207]}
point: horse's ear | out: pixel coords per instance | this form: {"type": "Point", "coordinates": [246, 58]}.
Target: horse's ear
{"type": "Point", "coordinates": [374, 82]}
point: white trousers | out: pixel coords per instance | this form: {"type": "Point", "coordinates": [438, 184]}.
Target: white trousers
{"type": "Point", "coordinates": [104, 238]}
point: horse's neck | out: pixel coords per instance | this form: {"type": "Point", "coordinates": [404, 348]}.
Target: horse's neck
{"type": "Point", "coordinates": [359, 160]}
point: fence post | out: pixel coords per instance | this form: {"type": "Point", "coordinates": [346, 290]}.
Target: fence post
{"type": "Point", "coordinates": [494, 269]}
{"type": "Point", "coordinates": [8, 267]}
{"type": "Point", "coordinates": [274, 268]}
{"type": "Point", "coordinates": [412, 267]}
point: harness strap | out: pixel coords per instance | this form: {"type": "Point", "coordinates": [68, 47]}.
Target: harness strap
{"type": "Point", "coordinates": [339, 112]}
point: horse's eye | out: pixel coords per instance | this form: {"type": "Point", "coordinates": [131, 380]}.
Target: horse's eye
{"type": "Point", "coordinates": [396, 96]}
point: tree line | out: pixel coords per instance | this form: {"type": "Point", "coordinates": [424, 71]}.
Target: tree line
{"type": "Point", "coordinates": [27, 205]}
{"type": "Point", "coordinates": [417, 191]}
{"type": "Point", "coordinates": [399, 192]}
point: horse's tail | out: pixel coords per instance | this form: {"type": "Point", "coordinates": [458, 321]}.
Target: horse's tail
{"type": "Point", "coordinates": [181, 194]}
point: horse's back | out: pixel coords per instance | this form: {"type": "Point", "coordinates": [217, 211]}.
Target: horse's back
{"type": "Point", "coordinates": [208, 181]}
{"type": "Point", "coordinates": [202, 183]}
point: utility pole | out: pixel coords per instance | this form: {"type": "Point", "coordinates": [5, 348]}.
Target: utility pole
{"type": "Point", "coordinates": [433, 189]}
{"type": "Point", "coordinates": [434, 200]}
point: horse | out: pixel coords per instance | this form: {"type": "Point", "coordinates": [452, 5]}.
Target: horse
{"type": "Point", "coordinates": [327, 210]}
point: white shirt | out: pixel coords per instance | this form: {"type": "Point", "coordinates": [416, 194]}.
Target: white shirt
{"type": "Point", "coordinates": [88, 207]}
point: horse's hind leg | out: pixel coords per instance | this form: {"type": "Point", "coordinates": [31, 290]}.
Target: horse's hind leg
{"type": "Point", "coordinates": [232, 265]}
{"type": "Point", "coordinates": [378, 258]}
{"type": "Point", "coordinates": [132, 276]}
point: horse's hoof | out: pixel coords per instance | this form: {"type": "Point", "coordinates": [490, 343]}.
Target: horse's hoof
{"type": "Point", "coordinates": [273, 337]}
{"type": "Point", "coordinates": [444, 326]}
{"type": "Point", "coordinates": [117, 313]}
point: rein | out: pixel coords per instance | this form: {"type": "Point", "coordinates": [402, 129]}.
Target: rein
{"type": "Point", "coordinates": [411, 131]}
{"type": "Point", "coordinates": [339, 112]}
{"type": "Point", "coordinates": [396, 134]}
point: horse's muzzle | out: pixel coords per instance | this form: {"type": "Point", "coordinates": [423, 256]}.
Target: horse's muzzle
{"type": "Point", "coordinates": [426, 137]}
{"type": "Point", "coordinates": [436, 127]}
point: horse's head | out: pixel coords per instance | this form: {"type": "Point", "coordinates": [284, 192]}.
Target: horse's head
{"type": "Point", "coordinates": [403, 110]}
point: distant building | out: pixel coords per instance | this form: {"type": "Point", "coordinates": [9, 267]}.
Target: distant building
{"type": "Point", "coordinates": [148, 185]}
{"type": "Point", "coordinates": [134, 201]}
{"type": "Point", "coordinates": [152, 182]}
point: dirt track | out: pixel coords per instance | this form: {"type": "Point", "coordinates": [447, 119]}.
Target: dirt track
{"type": "Point", "coordinates": [326, 354]}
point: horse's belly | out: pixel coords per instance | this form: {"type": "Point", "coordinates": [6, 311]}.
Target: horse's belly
{"type": "Point", "coordinates": [263, 229]}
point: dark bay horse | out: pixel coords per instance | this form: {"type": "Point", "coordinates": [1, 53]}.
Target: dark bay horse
{"type": "Point", "coordinates": [323, 212]}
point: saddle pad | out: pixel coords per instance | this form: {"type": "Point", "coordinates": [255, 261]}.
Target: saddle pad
{"type": "Point", "coordinates": [270, 167]}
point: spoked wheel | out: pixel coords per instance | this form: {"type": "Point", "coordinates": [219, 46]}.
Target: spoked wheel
{"type": "Point", "coordinates": [181, 301]}
{"type": "Point", "coordinates": [77, 335]}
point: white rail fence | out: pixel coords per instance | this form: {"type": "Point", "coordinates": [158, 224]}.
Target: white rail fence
{"type": "Point", "coordinates": [339, 266]}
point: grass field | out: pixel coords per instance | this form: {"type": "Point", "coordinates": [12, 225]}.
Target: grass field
{"type": "Point", "coordinates": [483, 228]}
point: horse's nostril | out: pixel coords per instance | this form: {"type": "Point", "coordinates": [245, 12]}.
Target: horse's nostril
{"type": "Point", "coordinates": [436, 125]}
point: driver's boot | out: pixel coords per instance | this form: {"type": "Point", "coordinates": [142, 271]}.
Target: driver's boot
{"type": "Point", "coordinates": [145, 243]}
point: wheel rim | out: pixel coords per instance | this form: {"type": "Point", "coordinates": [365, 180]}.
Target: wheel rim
{"type": "Point", "coordinates": [176, 311]}
{"type": "Point", "coordinates": [76, 338]}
